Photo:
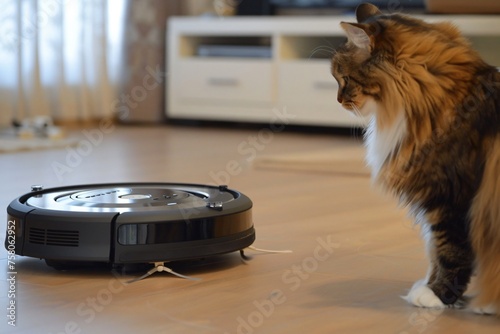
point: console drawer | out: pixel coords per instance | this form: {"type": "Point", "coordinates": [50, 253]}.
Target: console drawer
{"type": "Point", "coordinates": [307, 82]}
{"type": "Point", "coordinates": [225, 80]}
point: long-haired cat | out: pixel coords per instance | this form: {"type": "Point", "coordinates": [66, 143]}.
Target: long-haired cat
{"type": "Point", "coordinates": [434, 141]}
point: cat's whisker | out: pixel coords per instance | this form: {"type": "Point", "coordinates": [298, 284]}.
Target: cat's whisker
{"type": "Point", "coordinates": [359, 114]}
{"type": "Point", "coordinates": [322, 48]}
{"type": "Point", "coordinates": [355, 109]}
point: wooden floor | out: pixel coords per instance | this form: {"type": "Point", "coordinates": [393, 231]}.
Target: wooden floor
{"type": "Point", "coordinates": [354, 251]}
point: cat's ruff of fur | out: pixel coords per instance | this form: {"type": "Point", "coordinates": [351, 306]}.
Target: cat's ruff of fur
{"type": "Point", "coordinates": [381, 144]}
{"type": "Point", "coordinates": [433, 141]}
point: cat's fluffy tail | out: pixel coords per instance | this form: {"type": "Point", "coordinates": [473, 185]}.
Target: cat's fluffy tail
{"type": "Point", "coordinates": [485, 233]}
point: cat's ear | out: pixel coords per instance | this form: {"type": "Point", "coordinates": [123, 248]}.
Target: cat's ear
{"type": "Point", "coordinates": [365, 11]}
{"type": "Point", "coordinates": [357, 35]}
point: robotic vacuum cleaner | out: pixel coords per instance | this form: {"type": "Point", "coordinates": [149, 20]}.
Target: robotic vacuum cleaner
{"type": "Point", "coordinates": [129, 223]}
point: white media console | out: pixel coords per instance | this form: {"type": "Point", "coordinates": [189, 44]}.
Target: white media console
{"type": "Point", "coordinates": [255, 69]}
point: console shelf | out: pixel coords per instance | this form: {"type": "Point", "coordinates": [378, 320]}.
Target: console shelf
{"type": "Point", "coordinates": [248, 69]}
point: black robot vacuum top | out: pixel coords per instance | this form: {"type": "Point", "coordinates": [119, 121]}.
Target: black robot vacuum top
{"type": "Point", "coordinates": [129, 222]}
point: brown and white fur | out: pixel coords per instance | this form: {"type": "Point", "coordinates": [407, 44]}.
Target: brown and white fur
{"type": "Point", "coordinates": [433, 141]}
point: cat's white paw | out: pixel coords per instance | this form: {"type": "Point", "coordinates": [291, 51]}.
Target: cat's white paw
{"type": "Point", "coordinates": [488, 309]}
{"type": "Point", "coordinates": [422, 296]}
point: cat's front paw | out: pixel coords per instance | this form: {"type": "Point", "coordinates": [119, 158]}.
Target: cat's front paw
{"type": "Point", "coordinates": [487, 310]}
{"type": "Point", "coordinates": [422, 296]}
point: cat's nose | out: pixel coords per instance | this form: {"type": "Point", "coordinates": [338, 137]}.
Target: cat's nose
{"type": "Point", "coordinates": [339, 99]}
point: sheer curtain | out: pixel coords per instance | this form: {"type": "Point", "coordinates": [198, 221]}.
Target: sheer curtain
{"type": "Point", "coordinates": [60, 58]}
